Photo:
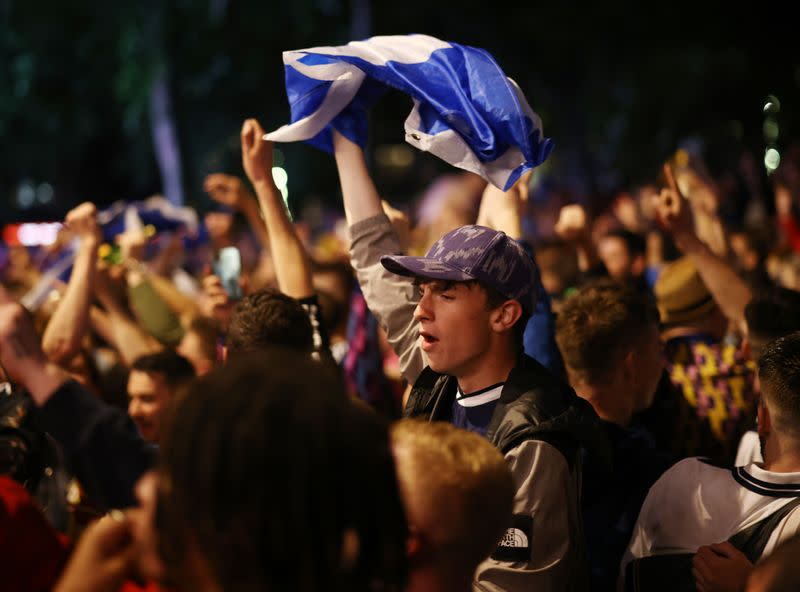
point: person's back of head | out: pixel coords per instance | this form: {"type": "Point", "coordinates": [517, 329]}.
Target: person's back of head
{"type": "Point", "coordinates": [779, 375]}
{"type": "Point", "coordinates": [271, 479]}
{"type": "Point", "coordinates": [607, 330]}
{"type": "Point", "coordinates": [269, 318]}
{"type": "Point", "coordinates": [771, 313]}
{"type": "Point", "coordinates": [457, 490]}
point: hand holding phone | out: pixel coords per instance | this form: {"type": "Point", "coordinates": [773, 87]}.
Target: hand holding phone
{"type": "Point", "coordinates": [228, 268]}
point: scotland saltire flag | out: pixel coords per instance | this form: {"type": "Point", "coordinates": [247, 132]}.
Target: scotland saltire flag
{"type": "Point", "coordinates": [156, 211]}
{"type": "Point", "coordinates": [466, 110]}
{"type": "Point", "coordinates": [113, 220]}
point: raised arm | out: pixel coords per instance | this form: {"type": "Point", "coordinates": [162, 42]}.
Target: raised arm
{"type": "Point", "coordinates": [729, 291]}
{"type": "Point", "coordinates": [573, 227]}
{"type": "Point", "coordinates": [149, 307]}
{"type": "Point", "coordinates": [99, 441]}
{"type": "Point", "coordinates": [390, 297]}
{"type": "Point", "coordinates": [230, 191]}
{"type": "Point", "coordinates": [292, 265]}
{"type": "Point", "coordinates": [502, 210]}
{"type": "Point", "coordinates": [361, 199]}
{"type": "Point", "coordinates": [122, 334]}
{"type": "Point", "coordinates": [70, 321]}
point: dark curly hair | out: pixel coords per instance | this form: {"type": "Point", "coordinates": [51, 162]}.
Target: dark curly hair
{"type": "Point", "coordinates": [280, 482]}
{"type": "Point", "coordinates": [268, 318]}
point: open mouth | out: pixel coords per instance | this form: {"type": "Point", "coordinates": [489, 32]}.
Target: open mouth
{"type": "Point", "coordinates": [427, 339]}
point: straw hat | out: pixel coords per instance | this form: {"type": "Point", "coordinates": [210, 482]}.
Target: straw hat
{"type": "Point", "coordinates": [681, 295]}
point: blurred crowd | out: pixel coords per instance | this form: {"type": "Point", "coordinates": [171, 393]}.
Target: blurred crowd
{"type": "Point", "coordinates": [625, 416]}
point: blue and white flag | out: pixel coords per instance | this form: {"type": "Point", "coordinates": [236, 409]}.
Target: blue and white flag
{"type": "Point", "coordinates": [466, 110]}
{"type": "Point", "coordinates": [156, 211]}
{"type": "Point", "coordinates": [117, 218]}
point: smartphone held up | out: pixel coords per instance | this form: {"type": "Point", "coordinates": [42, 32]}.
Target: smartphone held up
{"type": "Point", "coordinates": [228, 268]}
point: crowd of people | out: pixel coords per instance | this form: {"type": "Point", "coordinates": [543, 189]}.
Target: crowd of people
{"type": "Point", "coordinates": [458, 397]}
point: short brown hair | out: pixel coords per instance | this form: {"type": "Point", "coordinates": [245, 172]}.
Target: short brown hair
{"type": "Point", "coordinates": [779, 373]}
{"type": "Point", "coordinates": [599, 321]}
{"type": "Point", "coordinates": [455, 485]}
{"type": "Point", "coordinates": [269, 318]}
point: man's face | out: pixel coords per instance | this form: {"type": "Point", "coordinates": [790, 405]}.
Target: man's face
{"type": "Point", "coordinates": [454, 326]}
{"type": "Point", "coordinates": [615, 256]}
{"type": "Point", "coordinates": [148, 396]}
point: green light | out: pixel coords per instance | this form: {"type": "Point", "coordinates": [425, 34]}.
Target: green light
{"type": "Point", "coordinates": [772, 158]}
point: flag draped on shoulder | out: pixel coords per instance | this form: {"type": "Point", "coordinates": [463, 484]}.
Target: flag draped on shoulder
{"type": "Point", "coordinates": [466, 110]}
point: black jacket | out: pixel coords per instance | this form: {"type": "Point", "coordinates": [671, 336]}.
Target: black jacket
{"type": "Point", "coordinates": [534, 405]}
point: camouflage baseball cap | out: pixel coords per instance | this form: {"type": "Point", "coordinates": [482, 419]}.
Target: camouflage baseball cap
{"type": "Point", "coordinates": [475, 253]}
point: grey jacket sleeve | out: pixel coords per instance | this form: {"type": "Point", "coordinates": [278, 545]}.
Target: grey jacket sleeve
{"type": "Point", "coordinates": [542, 550]}
{"type": "Point", "coordinates": [390, 297]}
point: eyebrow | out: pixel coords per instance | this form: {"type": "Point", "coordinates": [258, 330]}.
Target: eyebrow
{"type": "Point", "coordinates": [438, 285]}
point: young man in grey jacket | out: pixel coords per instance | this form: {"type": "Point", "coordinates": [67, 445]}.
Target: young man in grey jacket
{"type": "Point", "coordinates": [455, 319]}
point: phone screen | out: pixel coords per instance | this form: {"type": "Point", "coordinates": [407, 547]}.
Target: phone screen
{"type": "Point", "coordinates": [228, 268]}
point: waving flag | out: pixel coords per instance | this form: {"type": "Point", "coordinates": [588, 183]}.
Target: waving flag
{"type": "Point", "coordinates": [113, 220]}
{"type": "Point", "coordinates": [156, 211]}
{"type": "Point", "coordinates": [466, 110]}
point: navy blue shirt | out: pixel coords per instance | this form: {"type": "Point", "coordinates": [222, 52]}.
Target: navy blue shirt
{"type": "Point", "coordinates": [475, 418]}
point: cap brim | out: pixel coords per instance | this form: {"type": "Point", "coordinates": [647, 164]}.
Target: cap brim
{"type": "Point", "coordinates": [423, 267]}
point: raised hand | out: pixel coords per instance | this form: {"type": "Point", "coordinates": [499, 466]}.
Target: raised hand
{"type": "Point", "coordinates": [131, 244]}
{"type": "Point", "coordinates": [572, 224]}
{"type": "Point", "coordinates": [227, 190]}
{"type": "Point", "coordinates": [256, 153]}
{"type": "Point", "coordinates": [20, 350]}
{"type": "Point", "coordinates": [103, 559]}
{"type": "Point", "coordinates": [82, 221]}
{"type": "Point", "coordinates": [673, 209]}
{"type": "Point", "coordinates": [214, 301]}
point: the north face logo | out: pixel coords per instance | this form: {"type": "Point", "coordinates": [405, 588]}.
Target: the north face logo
{"type": "Point", "coordinates": [515, 546]}
{"type": "Point", "coordinates": [514, 537]}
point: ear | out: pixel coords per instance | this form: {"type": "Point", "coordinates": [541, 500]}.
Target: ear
{"type": "Point", "coordinates": [224, 354]}
{"type": "Point", "coordinates": [504, 316]}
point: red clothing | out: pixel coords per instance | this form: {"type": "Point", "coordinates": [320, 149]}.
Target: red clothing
{"type": "Point", "coordinates": [32, 553]}
{"type": "Point", "coordinates": [791, 230]}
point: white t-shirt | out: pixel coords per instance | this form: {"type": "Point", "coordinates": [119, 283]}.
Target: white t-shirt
{"type": "Point", "coordinates": [749, 450]}
{"type": "Point", "coordinates": [695, 504]}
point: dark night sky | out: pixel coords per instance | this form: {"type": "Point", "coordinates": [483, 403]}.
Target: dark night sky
{"type": "Point", "coordinates": [617, 86]}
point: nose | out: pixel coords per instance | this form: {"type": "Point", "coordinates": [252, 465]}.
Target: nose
{"type": "Point", "coordinates": [133, 408]}
{"type": "Point", "coordinates": [423, 310]}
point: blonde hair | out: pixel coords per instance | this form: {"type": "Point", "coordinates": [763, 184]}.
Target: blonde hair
{"type": "Point", "coordinates": [456, 487]}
